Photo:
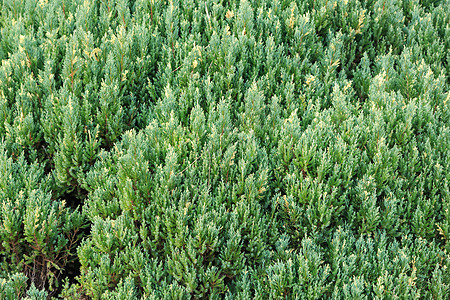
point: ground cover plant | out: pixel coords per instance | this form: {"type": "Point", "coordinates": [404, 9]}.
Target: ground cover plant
{"type": "Point", "coordinates": [156, 149]}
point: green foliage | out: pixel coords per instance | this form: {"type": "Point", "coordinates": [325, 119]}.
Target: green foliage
{"type": "Point", "coordinates": [38, 232]}
{"type": "Point", "coordinates": [224, 149]}
{"type": "Point", "coordinates": [13, 286]}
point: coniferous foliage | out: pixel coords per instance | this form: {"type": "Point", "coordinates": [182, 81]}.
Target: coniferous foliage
{"type": "Point", "coordinates": [169, 149]}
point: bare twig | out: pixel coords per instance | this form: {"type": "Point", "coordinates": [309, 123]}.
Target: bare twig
{"type": "Point", "coordinates": [190, 164]}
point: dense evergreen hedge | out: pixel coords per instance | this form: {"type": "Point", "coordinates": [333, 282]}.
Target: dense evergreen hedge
{"type": "Point", "coordinates": [156, 149]}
